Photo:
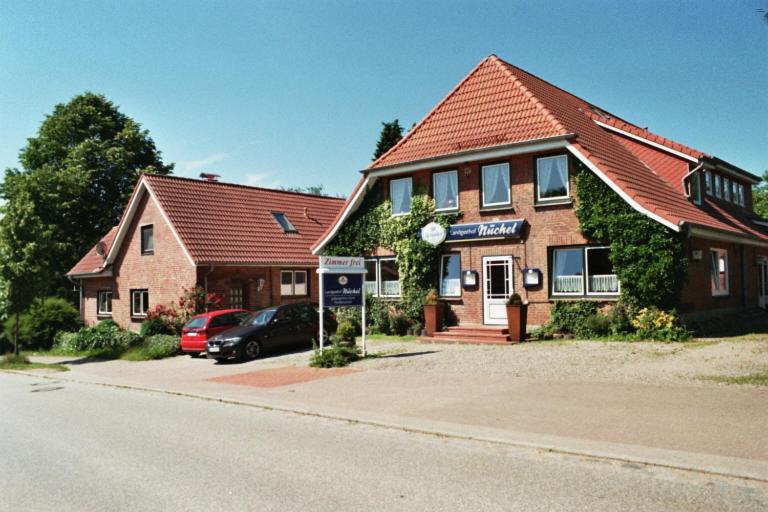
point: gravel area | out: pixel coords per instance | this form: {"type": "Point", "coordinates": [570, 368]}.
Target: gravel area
{"type": "Point", "coordinates": [647, 362]}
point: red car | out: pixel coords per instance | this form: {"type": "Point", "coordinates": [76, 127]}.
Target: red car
{"type": "Point", "coordinates": [195, 333]}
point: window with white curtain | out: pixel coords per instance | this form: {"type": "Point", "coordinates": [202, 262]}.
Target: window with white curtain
{"type": "Point", "coordinates": [568, 271]}
{"type": "Point", "coordinates": [496, 185]}
{"type": "Point", "coordinates": [445, 187]}
{"type": "Point", "coordinates": [450, 275]}
{"type": "Point", "coordinates": [552, 178]}
{"type": "Point", "coordinates": [400, 194]}
{"type": "Point", "coordinates": [293, 282]}
{"type": "Point", "coordinates": [719, 271]}
{"type": "Point", "coordinates": [583, 271]}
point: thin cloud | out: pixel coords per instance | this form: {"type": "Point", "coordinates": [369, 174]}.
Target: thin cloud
{"type": "Point", "coordinates": [261, 180]}
{"type": "Point", "coordinates": [193, 165]}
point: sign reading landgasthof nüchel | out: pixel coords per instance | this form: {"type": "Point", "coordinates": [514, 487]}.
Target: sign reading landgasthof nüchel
{"type": "Point", "coordinates": [485, 230]}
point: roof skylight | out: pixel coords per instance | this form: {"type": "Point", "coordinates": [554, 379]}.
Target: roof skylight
{"type": "Point", "coordinates": [286, 224]}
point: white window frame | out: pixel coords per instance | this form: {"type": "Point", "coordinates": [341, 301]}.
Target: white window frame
{"type": "Point", "coordinates": [410, 203]}
{"type": "Point", "coordinates": [99, 311]}
{"type": "Point", "coordinates": [726, 291]}
{"type": "Point", "coordinates": [708, 182]}
{"type": "Point", "coordinates": [726, 189]}
{"type": "Point", "coordinates": [718, 186]}
{"type": "Point", "coordinates": [434, 190]}
{"type": "Point", "coordinates": [293, 283]}
{"type": "Point", "coordinates": [502, 204]}
{"type": "Point", "coordinates": [567, 195]}
{"type": "Point", "coordinates": [375, 280]}
{"type": "Point", "coordinates": [585, 273]}
{"type": "Point", "coordinates": [695, 185]}
{"type": "Point", "coordinates": [440, 283]}
{"type": "Point", "coordinates": [141, 239]}
{"type": "Point", "coordinates": [144, 304]}
{"type": "Point", "coordinates": [381, 281]}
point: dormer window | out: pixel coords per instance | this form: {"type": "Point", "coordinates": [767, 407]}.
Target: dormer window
{"type": "Point", "coordinates": [726, 189]}
{"type": "Point", "coordinates": [281, 219]}
{"type": "Point", "coordinates": [718, 186]}
{"type": "Point", "coordinates": [708, 183]}
{"type": "Point", "coordinates": [695, 188]}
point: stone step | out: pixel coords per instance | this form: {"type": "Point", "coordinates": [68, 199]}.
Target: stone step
{"type": "Point", "coordinates": [479, 328]}
{"type": "Point", "coordinates": [487, 335]}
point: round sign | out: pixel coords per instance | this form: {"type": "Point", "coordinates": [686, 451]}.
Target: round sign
{"type": "Point", "coordinates": [343, 280]}
{"type": "Point", "coordinates": [433, 233]}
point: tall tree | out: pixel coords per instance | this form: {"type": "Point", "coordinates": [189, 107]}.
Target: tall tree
{"type": "Point", "coordinates": [77, 174]}
{"type": "Point", "coordinates": [391, 133]}
{"type": "Point", "coordinates": [760, 197]}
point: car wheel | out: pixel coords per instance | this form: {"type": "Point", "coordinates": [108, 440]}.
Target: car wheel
{"type": "Point", "coordinates": [326, 337]}
{"type": "Point", "coordinates": [252, 349]}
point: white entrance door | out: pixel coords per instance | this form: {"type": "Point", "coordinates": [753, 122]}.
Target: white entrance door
{"type": "Point", "coordinates": [762, 278]}
{"type": "Point", "coordinates": [498, 285]}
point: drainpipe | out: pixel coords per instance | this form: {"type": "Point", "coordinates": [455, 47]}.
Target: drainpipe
{"type": "Point", "coordinates": [79, 285]}
{"type": "Point", "coordinates": [682, 181]}
{"type": "Point", "coordinates": [205, 285]}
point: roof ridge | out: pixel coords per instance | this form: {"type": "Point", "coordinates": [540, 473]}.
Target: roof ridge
{"type": "Point", "coordinates": [239, 185]}
{"type": "Point", "coordinates": [552, 118]}
{"type": "Point", "coordinates": [432, 112]}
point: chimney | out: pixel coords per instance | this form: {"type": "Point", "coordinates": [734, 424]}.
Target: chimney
{"type": "Point", "coordinates": [209, 177]}
{"type": "Point", "coordinates": [306, 212]}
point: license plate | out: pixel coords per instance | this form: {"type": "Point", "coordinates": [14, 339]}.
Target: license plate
{"type": "Point", "coordinates": [214, 349]}
{"type": "Point", "coordinates": [191, 334]}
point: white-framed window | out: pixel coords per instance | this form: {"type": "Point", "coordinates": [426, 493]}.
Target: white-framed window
{"type": "Point", "coordinates": [400, 191]}
{"type": "Point", "coordinates": [718, 186]}
{"type": "Point", "coordinates": [372, 277]}
{"type": "Point", "coordinates": [719, 271]}
{"type": "Point", "coordinates": [147, 239]}
{"type": "Point", "coordinates": [104, 302]}
{"type": "Point", "coordinates": [695, 187]}
{"type": "Point", "coordinates": [495, 186]}
{"type": "Point", "coordinates": [708, 182]}
{"type": "Point", "coordinates": [726, 189]}
{"type": "Point", "coordinates": [445, 188]}
{"type": "Point", "coordinates": [293, 283]}
{"type": "Point", "coordinates": [450, 275]}
{"type": "Point", "coordinates": [389, 278]}
{"type": "Point", "coordinates": [552, 178]}
{"type": "Point", "coordinates": [581, 271]}
{"type": "Point", "coordinates": [139, 302]}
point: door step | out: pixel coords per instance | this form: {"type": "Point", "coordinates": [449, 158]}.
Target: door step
{"type": "Point", "coordinates": [472, 334]}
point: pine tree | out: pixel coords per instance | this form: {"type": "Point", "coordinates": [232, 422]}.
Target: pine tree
{"type": "Point", "coordinates": [391, 133]}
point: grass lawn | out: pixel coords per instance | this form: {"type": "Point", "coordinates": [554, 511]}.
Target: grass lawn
{"type": "Point", "coordinates": [755, 379]}
{"type": "Point", "coordinates": [11, 362]}
{"type": "Point", "coordinates": [386, 338]}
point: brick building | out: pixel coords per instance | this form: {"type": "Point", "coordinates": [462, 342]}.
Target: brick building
{"type": "Point", "coordinates": [502, 147]}
{"type": "Point", "coordinates": [250, 245]}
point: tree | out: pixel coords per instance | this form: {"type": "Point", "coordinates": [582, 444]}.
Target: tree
{"type": "Point", "coordinates": [760, 197]}
{"type": "Point", "coordinates": [315, 190]}
{"type": "Point", "coordinates": [391, 133]}
{"type": "Point", "coordinates": [78, 172]}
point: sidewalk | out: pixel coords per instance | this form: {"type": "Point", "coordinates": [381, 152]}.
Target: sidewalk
{"type": "Point", "coordinates": [712, 428]}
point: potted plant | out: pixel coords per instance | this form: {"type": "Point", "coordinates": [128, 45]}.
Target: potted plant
{"type": "Point", "coordinates": [433, 313]}
{"type": "Point", "coordinates": [517, 318]}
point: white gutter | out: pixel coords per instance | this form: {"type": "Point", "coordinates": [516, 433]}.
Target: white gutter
{"type": "Point", "coordinates": [634, 204]}
{"type": "Point", "coordinates": [711, 234]}
{"type": "Point", "coordinates": [351, 207]}
{"type": "Point", "coordinates": [682, 180]}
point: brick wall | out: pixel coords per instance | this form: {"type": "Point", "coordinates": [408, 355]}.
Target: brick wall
{"type": "Point", "coordinates": [262, 284]}
{"type": "Point", "coordinates": [89, 305]}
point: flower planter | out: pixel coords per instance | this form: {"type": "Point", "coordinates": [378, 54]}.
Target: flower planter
{"type": "Point", "coordinates": [433, 318]}
{"type": "Point", "coordinates": [517, 319]}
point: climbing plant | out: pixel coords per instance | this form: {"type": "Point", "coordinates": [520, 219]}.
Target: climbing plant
{"type": "Point", "coordinates": [648, 258]}
{"type": "Point", "coordinates": [373, 225]}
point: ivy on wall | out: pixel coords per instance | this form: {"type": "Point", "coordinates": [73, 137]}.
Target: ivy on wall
{"type": "Point", "coordinates": [649, 258]}
{"type": "Point", "coordinates": [373, 225]}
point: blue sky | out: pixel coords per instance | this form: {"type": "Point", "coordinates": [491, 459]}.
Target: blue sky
{"type": "Point", "coordinates": [292, 93]}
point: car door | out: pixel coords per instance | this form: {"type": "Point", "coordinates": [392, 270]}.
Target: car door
{"type": "Point", "coordinates": [281, 329]}
{"type": "Point", "coordinates": [220, 323]}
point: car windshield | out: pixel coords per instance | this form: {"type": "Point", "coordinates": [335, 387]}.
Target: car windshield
{"type": "Point", "coordinates": [260, 317]}
{"type": "Point", "coordinates": [196, 322]}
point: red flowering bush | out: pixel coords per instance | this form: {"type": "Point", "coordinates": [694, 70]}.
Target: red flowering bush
{"type": "Point", "coordinates": [196, 301]}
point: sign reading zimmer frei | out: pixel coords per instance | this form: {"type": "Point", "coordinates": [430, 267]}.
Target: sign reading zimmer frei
{"type": "Point", "coordinates": [341, 285]}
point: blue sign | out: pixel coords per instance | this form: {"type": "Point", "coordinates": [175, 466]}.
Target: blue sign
{"type": "Point", "coordinates": [342, 290]}
{"type": "Point", "coordinates": [485, 230]}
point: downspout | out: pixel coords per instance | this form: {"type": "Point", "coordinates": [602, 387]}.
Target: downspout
{"type": "Point", "coordinates": [682, 180]}
{"type": "Point", "coordinates": [205, 285]}
{"type": "Point", "coordinates": [79, 284]}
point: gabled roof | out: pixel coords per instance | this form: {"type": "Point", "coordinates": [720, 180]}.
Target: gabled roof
{"type": "Point", "coordinates": [228, 224]}
{"type": "Point", "coordinates": [498, 104]}
{"type": "Point", "coordinates": [94, 261]}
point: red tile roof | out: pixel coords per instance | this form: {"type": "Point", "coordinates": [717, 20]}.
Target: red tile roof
{"type": "Point", "coordinates": [498, 103]}
{"type": "Point", "coordinates": [223, 223]}
{"type": "Point", "coordinates": [93, 262]}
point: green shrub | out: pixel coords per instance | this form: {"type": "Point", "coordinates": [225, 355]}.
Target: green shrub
{"type": "Point", "coordinates": [399, 324]}
{"type": "Point", "coordinates": [160, 346]}
{"type": "Point", "coordinates": [334, 356]}
{"type": "Point", "coordinates": [569, 317]}
{"type": "Point", "coordinates": [351, 315]}
{"type": "Point", "coordinates": [377, 314]}
{"type": "Point", "coordinates": [39, 325]}
{"type": "Point", "coordinates": [346, 332]}
{"type": "Point", "coordinates": [13, 359]}
{"type": "Point", "coordinates": [155, 325]}
{"type": "Point", "coordinates": [105, 336]}
{"type": "Point", "coordinates": [6, 345]}
{"type": "Point", "coordinates": [595, 325]}
{"type": "Point", "coordinates": [620, 319]}
{"type": "Point", "coordinates": [655, 324]}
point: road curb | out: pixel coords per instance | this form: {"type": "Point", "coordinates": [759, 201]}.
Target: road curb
{"type": "Point", "coordinates": [727, 467]}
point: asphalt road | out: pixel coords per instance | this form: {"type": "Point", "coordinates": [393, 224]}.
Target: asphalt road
{"type": "Point", "coordinates": [66, 446]}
